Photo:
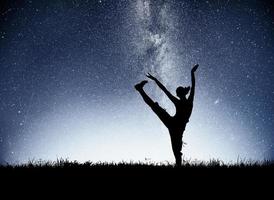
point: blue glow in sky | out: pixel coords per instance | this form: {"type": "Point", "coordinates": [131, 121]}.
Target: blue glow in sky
{"type": "Point", "coordinates": [68, 71]}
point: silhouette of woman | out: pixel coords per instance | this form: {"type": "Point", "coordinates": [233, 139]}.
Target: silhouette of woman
{"type": "Point", "coordinates": [176, 124]}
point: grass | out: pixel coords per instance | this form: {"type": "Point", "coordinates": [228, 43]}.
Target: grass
{"type": "Point", "coordinates": [212, 164]}
{"type": "Point", "coordinates": [104, 174]}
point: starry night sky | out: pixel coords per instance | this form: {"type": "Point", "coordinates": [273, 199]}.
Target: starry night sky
{"type": "Point", "coordinates": [68, 69]}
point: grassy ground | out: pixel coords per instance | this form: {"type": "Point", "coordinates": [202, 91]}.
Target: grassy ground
{"type": "Point", "coordinates": [212, 164]}
{"type": "Point", "coordinates": [213, 167]}
{"type": "Point", "coordinates": [195, 174]}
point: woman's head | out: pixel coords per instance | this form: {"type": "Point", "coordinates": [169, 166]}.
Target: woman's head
{"type": "Point", "coordinates": [181, 92]}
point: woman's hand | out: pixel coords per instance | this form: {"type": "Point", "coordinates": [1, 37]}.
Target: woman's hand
{"type": "Point", "coordinates": [195, 67]}
{"type": "Point", "coordinates": [151, 77]}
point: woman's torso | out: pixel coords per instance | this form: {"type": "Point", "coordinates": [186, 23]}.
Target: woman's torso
{"type": "Point", "coordinates": [183, 112]}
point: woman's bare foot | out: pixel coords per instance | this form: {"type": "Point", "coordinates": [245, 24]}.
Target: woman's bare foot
{"type": "Point", "coordinates": [140, 85]}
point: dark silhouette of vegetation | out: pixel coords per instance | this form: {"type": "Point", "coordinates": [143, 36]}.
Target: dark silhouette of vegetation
{"type": "Point", "coordinates": [66, 164]}
{"type": "Point", "coordinates": [103, 174]}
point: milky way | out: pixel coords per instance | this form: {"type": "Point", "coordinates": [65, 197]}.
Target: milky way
{"type": "Point", "coordinates": [68, 71]}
